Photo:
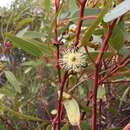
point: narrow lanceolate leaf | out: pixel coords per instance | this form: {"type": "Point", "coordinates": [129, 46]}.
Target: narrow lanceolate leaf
{"type": "Point", "coordinates": [20, 115]}
{"type": "Point", "coordinates": [23, 23]}
{"type": "Point", "coordinates": [72, 109]}
{"type": "Point", "coordinates": [13, 81]}
{"type": "Point", "coordinates": [27, 46]}
{"type": "Point", "coordinates": [117, 39]}
{"type": "Point", "coordinates": [23, 116]}
{"type": "Point", "coordinates": [73, 6]}
{"type": "Point", "coordinates": [124, 96]}
{"type": "Point", "coordinates": [87, 35]}
{"type": "Point", "coordinates": [33, 34]}
{"type": "Point", "coordinates": [116, 12]}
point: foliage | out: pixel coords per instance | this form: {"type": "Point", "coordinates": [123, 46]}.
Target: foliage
{"type": "Point", "coordinates": [43, 83]}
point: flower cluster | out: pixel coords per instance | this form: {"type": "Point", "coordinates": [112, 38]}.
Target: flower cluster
{"type": "Point", "coordinates": [72, 60]}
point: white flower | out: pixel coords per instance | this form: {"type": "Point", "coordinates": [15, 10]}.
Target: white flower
{"type": "Point", "coordinates": [72, 60]}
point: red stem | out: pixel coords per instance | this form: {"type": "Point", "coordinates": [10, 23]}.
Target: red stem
{"type": "Point", "coordinates": [57, 5]}
{"type": "Point", "coordinates": [105, 42]}
{"type": "Point", "coordinates": [58, 66]}
{"type": "Point", "coordinates": [60, 100]}
{"type": "Point", "coordinates": [123, 64]}
{"type": "Point", "coordinates": [96, 73]}
{"type": "Point", "coordinates": [94, 101]}
{"type": "Point", "coordinates": [82, 6]}
{"type": "Point", "coordinates": [89, 17]}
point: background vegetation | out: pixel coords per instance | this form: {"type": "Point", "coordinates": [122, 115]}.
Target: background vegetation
{"type": "Point", "coordinates": [33, 36]}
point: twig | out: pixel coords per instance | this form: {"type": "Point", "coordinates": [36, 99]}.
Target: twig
{"type": "Point", "coordinates": [82, 6]}
{"type": "Point", "coordinates": [121, 65]}
{"type": "Point", "coordinates": [60, 100]}
{"type": "Point", "coordinates": [57, 5]}
{"type": "Point", "coordinates": [96, 73]}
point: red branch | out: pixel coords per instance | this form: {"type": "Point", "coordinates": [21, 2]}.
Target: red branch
{"type": "Point", "coordinates": [105, 43]}
{"type": "Point", "coordinates": [57, 118]}
{"type": "Point", "coordinates": [94, 109]}
{"type": "Point", "coordinates": [57, 5]}
{"type": "Point", "coordinates": [82, 6]}
{"type": "Point", "coordinates": [96, 73]}
{"type": "Point", "coordinates": [60, 100]}
{"type": "Point", "coordinates": [89, 17]}
{"type": "Point", "coordinates": [121, 65]}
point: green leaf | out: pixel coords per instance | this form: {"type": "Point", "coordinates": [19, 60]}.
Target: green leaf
{"type": "Point", "coordinates": [73, 6]}
{"type": "Point", "coordinates": [90, 84]}
{"type": "Point", "coordinates": [20, 115]}
{"type": "Point", "coordinates": [7, 91]}
{"type": "Point", "coordinates": [88, 33]}
{"type": "Point", "coordinates": [124, 96]}
{"type": "Point", "coordinates": [124, 51]}
{"type": "Point", "coordinates": [118, 11]}
{"type": "Point", "coordinates": [87, 12]}
{"type": "Point", "coordinates": [33, 34]}
{"type": "Point", "coordinates": [117, 38]}
{"type": "Point", "coordinates": [106, 54]}
{"type": "Point", "coordinates": [72, 109]}
{"type": "Point", "coordinates": [27, 46]}
{"type": "Point", "coordinates": [33, 63]}
{"type": "Point", "coordinates": [47, 4]}
{"type": "Point", "coordinates": [47, 49]}
{"type": "Point", "coordinates": [23, 23]}
{"type": "Point", "coordinates": [124, 31]}
{"type": "Point", "coordinates": [13, 81]}
{"type": "Point", "coordinates": [23, 116]}
{"type": "Point", "coordinates": [2, 108]}
{"type": "Point", "coordinates": [86, 109]}
{"type": "Point", "coordinates": [85, 126]}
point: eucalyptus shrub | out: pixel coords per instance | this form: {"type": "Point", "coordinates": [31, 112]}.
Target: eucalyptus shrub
{"type": "Point", "coordinates": [65, 65]}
